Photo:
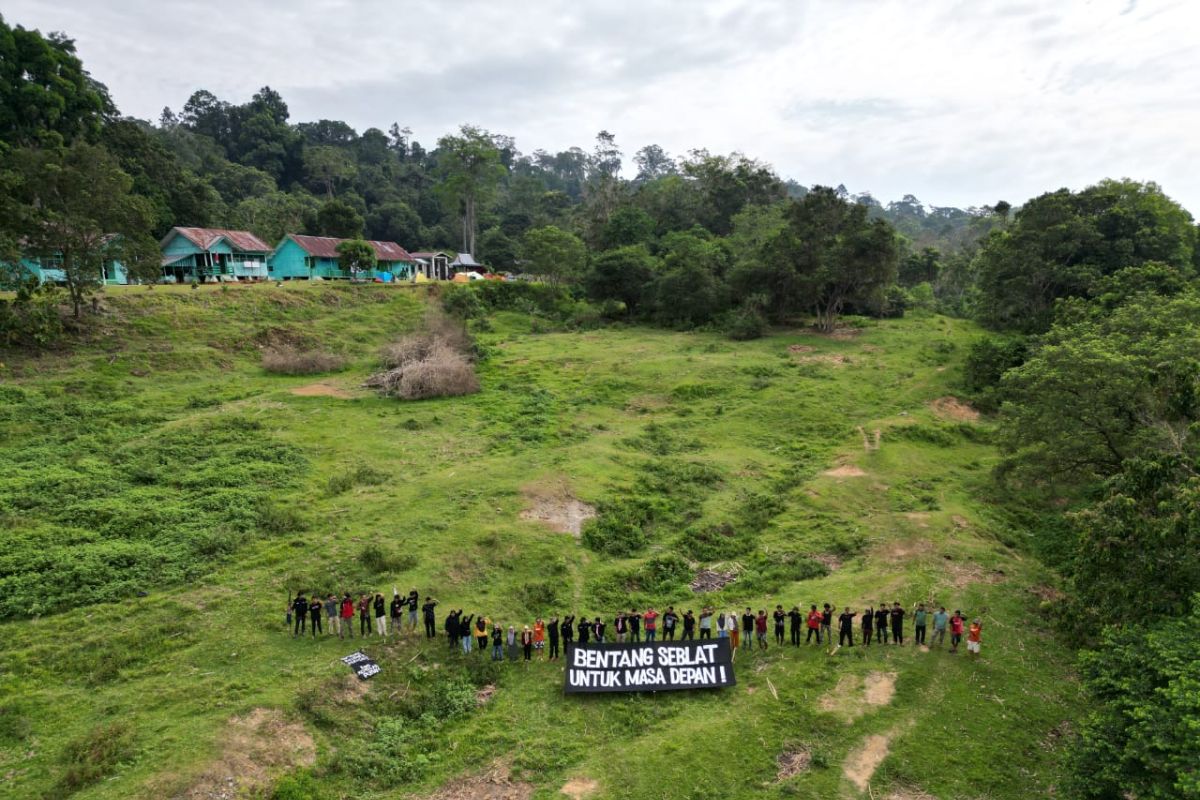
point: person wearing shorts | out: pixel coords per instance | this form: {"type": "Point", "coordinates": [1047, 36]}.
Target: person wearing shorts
{"type": "Point", "coordinates": [974, 637]}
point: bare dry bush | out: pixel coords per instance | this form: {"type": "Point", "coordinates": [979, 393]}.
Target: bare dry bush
{"type": "Point", "coordinates": [293, 361]}
{"type": "Point", "coordinates": [434, 362]}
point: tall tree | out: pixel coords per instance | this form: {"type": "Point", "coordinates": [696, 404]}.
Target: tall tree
{"type": "Point", "coordinates": [46, 96]}
{"type": "Point", "coordinates": [831, 254]}
{"type": "Point", "coordinates": [554, 254]}
{"type": "Point", "coordinates": [652, 163]}
{"type": "Point", "coordinates": [327, 167]}
{"type": "Point", "coordinates": [339, 218]}
{"type": "Point", "coordinates": [74, 205]}
{"type": "Point", "coordinates": [470, 170]}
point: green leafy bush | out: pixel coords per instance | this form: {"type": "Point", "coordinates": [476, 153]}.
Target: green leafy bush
{"type": "Point", "coordinates": [94, 756]}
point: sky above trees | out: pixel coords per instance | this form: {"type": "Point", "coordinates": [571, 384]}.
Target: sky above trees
{"type": "Point", "coordinates": [958, 103]}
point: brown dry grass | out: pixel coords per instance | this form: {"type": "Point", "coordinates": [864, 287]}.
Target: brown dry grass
{"type": "Point", "coordinates": [495, 783]}
{"type": "Point", "coordinates": [435, 362]}
{"type": "Point", "coordinates": [287, 360]}
{"type": "Point", "coordinates": [844, 471]}
{"type": "Point", "coordinates": [953, 409]}
{"type": "Point", "coordinates": [791, 763]}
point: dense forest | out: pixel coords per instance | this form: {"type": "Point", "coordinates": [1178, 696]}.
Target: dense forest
{"type": "Point", "coordinates": [1090, 297]}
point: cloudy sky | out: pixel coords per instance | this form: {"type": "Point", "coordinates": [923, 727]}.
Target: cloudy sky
{"type": "Point", "coordinates": [959, 103]}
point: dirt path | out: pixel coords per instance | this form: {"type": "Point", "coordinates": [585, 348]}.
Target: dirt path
{"type": "Point", "coordinates": [862, 762]}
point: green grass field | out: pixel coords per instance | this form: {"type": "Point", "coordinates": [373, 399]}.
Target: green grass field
{"type": "Point", "coordinates": [161, 495]}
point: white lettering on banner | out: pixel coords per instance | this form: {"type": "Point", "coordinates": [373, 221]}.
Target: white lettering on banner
{"type": "Point", "coordinates": [680, 657]}
{"type": "Point", "coordinates": [690, 675]}
{"type": "Point", "coordinates": [652, 667]}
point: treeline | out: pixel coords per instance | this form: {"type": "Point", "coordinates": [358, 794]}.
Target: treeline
{"type": "Point", "coordinates": [680, 242]}
{"type": "Point", "coordinates": [1094, 367]}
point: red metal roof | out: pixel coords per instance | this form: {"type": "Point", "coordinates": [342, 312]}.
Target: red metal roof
{"type": "Point", "coordinates": [204, 238]}
{"type": "Point", "coordinates": [326, 247]}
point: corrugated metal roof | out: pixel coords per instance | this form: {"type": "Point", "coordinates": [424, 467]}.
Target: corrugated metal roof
{"type": "Point", "coordinates": [465, 260]}
{"type": "Point", "coordinates": [429, 254]}
{"type": "Point", "coordinates": [204, 238]}
{"type": "Point", "coordinates": [326, 247]}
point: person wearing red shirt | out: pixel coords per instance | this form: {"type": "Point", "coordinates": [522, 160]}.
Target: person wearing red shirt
{"type": "Point", "coordinates": [347, 613]}
{"type": "Point", "coordinates": [760, 628]}
{"type": "Point", "coordinates": [650, 623]}
{"type": "Point", "coordinates": [814, 625]}
{"type": "Point", "coordinates": [956, 630]}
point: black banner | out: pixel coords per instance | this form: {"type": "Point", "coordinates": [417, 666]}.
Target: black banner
{"type": "Point", "coordinates": [649, 666]}
{"type": "Point", "coordinates": [362, 665]}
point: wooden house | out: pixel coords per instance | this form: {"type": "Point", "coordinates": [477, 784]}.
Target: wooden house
{"type": "Point", "coordinates": [48, 269]}
{"type": "Point", "coordinates": [303, 257]}
{"type": "Point", "coordinates": [434, 265]}
{"type": "Point", "coordinates": [202, 254]}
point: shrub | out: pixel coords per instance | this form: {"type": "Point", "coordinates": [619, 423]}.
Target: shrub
{"type": "Point", "coordinates": [358, 475]}
{"type": "Point", "coordinates": [94, 755]}
{"type": "Point", "coordinates": [377, 559]}
{"type": "Point", "coordinates": [987, 361]}
{"type": "Point", "coordinates": [293, 361]}
{"type": "Point", "coordinates": [745, 324]}
{"type": "Point", "coordinates": [433, 363]}
{"type": "Point", "coordinates": [538, 596]}
{"type": "Point", "coordinates": [714, 542]}
{"type": "Point", "coordinates": [769, 572]}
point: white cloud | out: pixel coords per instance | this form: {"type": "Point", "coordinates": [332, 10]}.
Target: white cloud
{"type": "Point", "coordinates": [957, 102]}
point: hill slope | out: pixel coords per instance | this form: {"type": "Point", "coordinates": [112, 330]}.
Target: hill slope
{"type": "Point", "coordinates": [159, 459]}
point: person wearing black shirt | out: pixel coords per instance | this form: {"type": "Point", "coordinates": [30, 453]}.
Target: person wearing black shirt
{"type": "Point", "coordinates": [300, 612]}
{"type": "Point", "coordinates": [748, 629]}
{"type": "Point", "coordinates": [497, 643]}
{"type": "Point", "coordinates": [635, 625]}
{"type": "Point", "coordinates": [598, 627]}
{"type": "Point", "coordinates": [568, 631]}
{"type": "Point", "coordinates": [689, 625]}
{"type": "Point", "coordinates": [552, 633]}
{"type": "Point", "coordinates": [450, 628]}
{"type": "Point", "coordinates": [397, 609]}
{"type": "Point", "coordinates": [464, 632]}
{"type": "Point", "coordinates": [827, 622]}
{"type": "Point", "coordinates": [314, 614]}
{"type": "Point", "coordinates": [795, 618]}
{"type": "Point", "coordinates": [430, 619]}
{"type": "Point", "coordinates": [881, 623]}
{"type": "Point", "coordinates": [621, 627]}
{"type": "Point", "coordinates": [380, 608]}
{"type": "Point", "coordinates": [846, 627]}
{"type": "Point", "coordinates": [585, 630]}
{"type": "Point", "coordinates": [413, 604]}
{"type": "Point", "coordinates": [779, 616]}
{"type": "Point", "coordinates": [868, 622]}
{"type": "Point", "coordinates": [669, 620]}
{"type": "Point", "coordinates": [897, 624]}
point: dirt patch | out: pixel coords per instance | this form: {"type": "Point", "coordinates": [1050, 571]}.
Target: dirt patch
{"type": "Point", "coordinates": [711, 580]}
{"type": "Point", "coordinates": [553, 504]}
{"type": "Point", "coordinates": [903, 550]}
{"type": "Point", "coordinates": [952, 408]}
{"type": "Point", "coordinates": [881, 688]}
{"type": "Point", "coordinates": [353, 689]}
{"type": "Point", "coordinates": [1046, 593]}
{"type": "Point", "coordinates": [322, 390]}
{"type": "Point", "coordinates": [918, 518]}
{"type": "Point", "coordinates": [824, 358]}
{"type": "Point", "coordinates": [579, 788]}
{"type": "Point", "coordinates": [841, 333]}
{"type": "Point", "coordinates": [494, 784]}
{"type": "Point", "coordinates": [909, 794]}
{"type": "Point", "coordinates": [862, 762]}
{"type": "Point", "coordinates": [275, 338]}
{"type": "Point", "coordinates": [644, 403]}
{"type": "Point", "coordinates": [964, 574]}
{"type": "Point", "coordinates": [844, 471]}
{"type": "Point", "coordinates": [855, 695]}
{"type": "Point", "coordinates": [831, 562]}
{"type": "Point", "coordinates": [485, 694]}
{"type": "Point", "coordinates": [791, 763]}
{"type": "Point", "coordinates": [960, 522]}
{"type": "Point", "coordinates": [256, 749]}
{"type": "Point", "coordinates": [800, 349]}
{"type": "Point", "coordinates": [1060, 733]}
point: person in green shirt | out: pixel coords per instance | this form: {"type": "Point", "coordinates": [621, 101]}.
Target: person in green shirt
{"type": "Point", "coordinates": [940, 618]}
{"type": "Point", "coordinates": [919, 623]}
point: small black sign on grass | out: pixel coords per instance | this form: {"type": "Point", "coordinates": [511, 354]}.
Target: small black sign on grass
{"type": "Point", "coordinates": [362, 665]}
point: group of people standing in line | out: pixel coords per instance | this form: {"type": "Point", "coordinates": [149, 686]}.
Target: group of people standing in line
{"type": "Point", "coordinates": [879, 625]}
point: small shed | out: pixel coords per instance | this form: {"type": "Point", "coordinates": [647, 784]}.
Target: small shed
{"type": "Point", "coordinates": [465, 262]}
{"type": "Point", "coordinates": [434, 265]}
{"type": "Point", "coordinates": [202, 254]}
{"type": "Point", "coordinates": [300, 257]}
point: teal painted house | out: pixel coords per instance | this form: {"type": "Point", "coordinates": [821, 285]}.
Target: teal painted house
{"type": "Point", "coordinates": [303, 257]}
{"type": "Point", "coordinates": [202, 254]}
{"type": "Point", "coordinates": [48, 269]}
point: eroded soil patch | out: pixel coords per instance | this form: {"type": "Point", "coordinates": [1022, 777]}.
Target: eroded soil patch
{"type": "Point", "coordinates": [855, 695]}
{"type": "Point", "coordinates": [256, 749]}
{"type": "Point", "coordinates": [862, 762]}
{"type": "Point", "coordinates": [953, 409]}
{"type": "Point", "coordinates": [553, 504]}
{"type": "Point", "coordinates": [496, 783]}
{"type": "Point", "coordinates": [844, 471]}
{"type": "Point", "coordinates": [579, 788]}
{"type": "Point", "coordinates": [791, 763]}
{"type": "Point", "coordinates": [320, 389]}
{"type": "Point", "coordinates": [710, 580]}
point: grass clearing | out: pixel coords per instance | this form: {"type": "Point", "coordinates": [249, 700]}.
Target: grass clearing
{"type": "Point", "coordinates": [162, 459]}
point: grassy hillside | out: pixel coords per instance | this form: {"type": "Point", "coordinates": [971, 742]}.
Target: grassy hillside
{"type": "Point", "coordinates": [161, 495]}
